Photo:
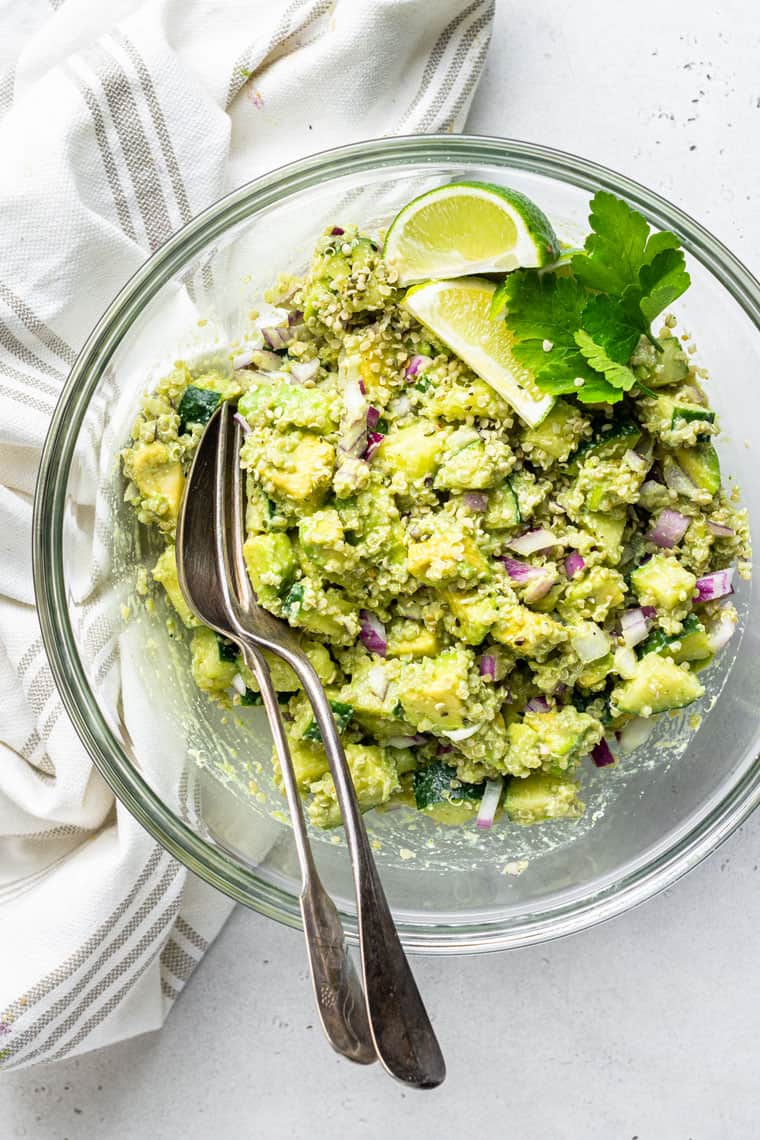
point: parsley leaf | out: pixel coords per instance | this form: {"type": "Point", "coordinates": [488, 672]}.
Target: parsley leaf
{"type": "Point", "coordinates": [662, 281]}
{"type": "Point", "coordinates": [618, 246]}
{"type": "Point", "coordinates": [616, 374]}
{"type": "Point", "coordinates": [612, 326]}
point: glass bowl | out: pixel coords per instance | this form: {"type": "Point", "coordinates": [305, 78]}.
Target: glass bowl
{"type": "Point", "coordinates": [198, 778]}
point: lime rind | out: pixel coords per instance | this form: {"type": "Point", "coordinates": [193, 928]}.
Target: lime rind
{"type": "Point", "coordinates": [430, 236]}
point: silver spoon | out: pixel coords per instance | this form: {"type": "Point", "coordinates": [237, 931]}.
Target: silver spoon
{"type": "Point", "coordinates": [401, 1031]}
{"type": "Point", "coordinates": [201, 561]}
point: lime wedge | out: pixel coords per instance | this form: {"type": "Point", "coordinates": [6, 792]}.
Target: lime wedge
{"type": "Point", "coordinates": [458, 313]}
{"type": "Point", "coordinates": [468, 227]}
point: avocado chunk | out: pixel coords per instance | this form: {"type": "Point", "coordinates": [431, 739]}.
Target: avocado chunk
{"type": "Point", "coordinates": [414, 451]}
{"type": "Point", "coordinates": [664, 583]}
{"type": "Point", "coordinates": [555, 740]}
{"type": "Point", "coordinates": [659, 684]}
{"type": "Point", "coordinates": [271, 564]}
{"type": "Point", "coordinates": [210, 671]}
{"type": "Point", "coordinates": [541, 796]}
{"type": "Point", "coordinates": [165, 572]}
{"type": "Point", "coordinates": [375, 779]}
{"type": "Point", "coordinates": [434, 690]}
{"type": "Point", "coordinates": [556, 436]}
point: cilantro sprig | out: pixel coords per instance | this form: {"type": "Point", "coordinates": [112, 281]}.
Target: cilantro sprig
{"type": "Point", "coordinates": [577, 330]}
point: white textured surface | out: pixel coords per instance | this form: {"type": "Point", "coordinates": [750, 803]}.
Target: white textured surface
{"type": "Point", "coordinates": [647, 1027]}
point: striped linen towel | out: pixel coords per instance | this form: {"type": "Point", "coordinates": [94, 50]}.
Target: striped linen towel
{"type": "Point", "coordinates": [118, 123]}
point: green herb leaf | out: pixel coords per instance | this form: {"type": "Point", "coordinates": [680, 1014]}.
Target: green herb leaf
{"type": "Point", "coordinates": [662, 282]}
{"type": "Point", "coordinates": [619, 245]}
{"type": "Point", "coordinates": [616, 374]}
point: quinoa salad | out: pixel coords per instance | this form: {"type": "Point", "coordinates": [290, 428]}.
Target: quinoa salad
{"type": "Point", "coordinates": [482, 485]}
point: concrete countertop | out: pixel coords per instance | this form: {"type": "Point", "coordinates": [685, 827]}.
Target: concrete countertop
{"type": "Point", "coordinates": [644, 1029]}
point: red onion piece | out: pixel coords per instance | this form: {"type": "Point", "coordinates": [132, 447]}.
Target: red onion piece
{"type": "Point", "coordinates": [635, 624]}
{"type": "Point", "coordinates": [669, 529]}
{"type": "Point", "coordinates": [715, 585]}
{"type": "Point", "coordinates": [415, 364]}
{"type": "Point", "coordinates": [373, 416]}
{"type": "Point", "coordinates": [277, 338]}
{"type": "Point", "coordinates": [487, 665]}
{"type": "Point", "coordinates": [520, 571]}
{"type": "Point", "coordinates": [601, 754]}
{"type": "Point", "coordinates": [532, 541]}
{"type": "Point", "coordinates": [476, 501]}
{"type": "Point", "coordinates": [678, 481]}
{"type": "Point", "coordinates": [719, 530]}
{"type": "Point", "coordinates": [539, 587]}
{"type": "Point", "coordinates": [537, 705]}
{"type": "Point", "coordinates": [489, 804]}
{"type": "Point", "coordinates": [336, 231]}
{"type": "Point", "coordinates": [443, 748]}
{"type": "Point", "coordinates": [372, 633]}
{"type": "Point", "coordinates": [303, 370]}
{"type": "Point", "coordinates": [374, 439]}
{"type": "Point", "coordinates": [722, 631]}
{"type": "Point", "coordinates": [405, 741]}
{"type": "Point", "coordinates": [362, 387]}
{"type": "Point", "coordinates": [574, 563]}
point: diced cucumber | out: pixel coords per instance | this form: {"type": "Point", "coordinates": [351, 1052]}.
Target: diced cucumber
{"type": "Point", "coordinates": [659, 684]}
{"type": "Point", "coordinates": [550, 436]}
{"type": "Point", "coordinates": [702, 466]}
{"type": "Point", "coordinates": [663, 582]}
{"type": "Point", "coordinates": [438, 783]}
{"type": "Point", "coordinates": [503, 510]}
{"type": "Point", "coordinates": [620, 436]}
{"type": "Point", "coordinates": [341, 711]}
{"type": "Point", "coordinates": [691, 644]}
{"type": "Point", "coordinates": [607, 528]}
{"type": "Point", "coordinates": [196, 406]}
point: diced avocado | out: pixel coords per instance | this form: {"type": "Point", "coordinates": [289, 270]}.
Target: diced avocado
{"type": "Point", "coordinates": [594, 675]}
{"type": "Point", "coordinates": [607, 528]}
{"type": "Point", "coordinates": [612, 442]}
{"type": "Point", "coordinates": [165, 572]}
{"type": "Point", "coordinates": [527, 633]}
{"type": "Point", "coordinates": [593, 593]}
{"type": "Point", "coordinates": [342, 712]}
{"type": "Point", "coordinates": [322, 610]}
{"type": "Point", "coordinates": [457, 401]}
{"type": "Point", "coordinates": [271, 564]}
{"type": "Point", "coordinates": [158, 478]}
{"type": "Point", "coordinates": [503, 511]}
{"type": "Point", "coordinates": [374, 776]}
{"type": "Point", "coordinates": [663, 582]}
{"type": "Point", "coordinates": [323, 540]}
{"type": "Point", "coordinates": [414, 450]}
{"type": "Point", "coordinates": [226, 384]}
{"type": "Point", "coordinates": [290, 405]}
{"type": "Point", "coordinates": [555, 436]}
{"type": "Point", "coordinates": [434, 690]}
{"type": "Point", "coordinates": [210, 672]}
{"type": "Point", "coordinates": [410, 639]}
{"type": "Point", "coordinates": [474, 467]}
{"type": "Point", "coordinates": [440, 793]}
{"type": "Point", "coordinates": [541, 796]}
{"type": "Point", "coordinates": [659, 684]}
{"type": "Point", "coordinates": [197, 406]}
{"type": "Point", "coordinates": [449, 553]}
{"type": "Point", "coordinates": [283, 677]}
{"type": "Point", "coordinates": [309, 762]}
{"type": "Point", "coordinates": [702, 466]}
{"type": "Point", "coordinates": [297, 466]}
{"type": "Point", "coordinates": [474, 615]}
{"type": "Point", "coordinates": [555, 740]}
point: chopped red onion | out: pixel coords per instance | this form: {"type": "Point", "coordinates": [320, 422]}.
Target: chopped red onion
{"type": "Point", "coordinates": [277, 338]}
{"type": "Point", "coordinates": [245, 426]}
{"type": "Point", "coordinates": [405, 741]}
{"type": "Point", "coordinates": [377, 679]}
{"type": "Point", "coordinates": [532, 541]}
{"type": "Point", "coordinates": [372, 633]}
{"type": "Point", "coordinates": [601, 754]}
{"type": "Point", "coordinates": [373, 416]}
{"type": "Point", "coordinates": [353, 421]}
{"type": "Point", "coordinates": [295, 317]}
{"type": "Point", "coordinates": [722, 631]}
{"type": "Point", "coordinates": [574, 563]}
{"type": "Point", "coordinates": [635, 461]}
{"type": "Point", "coordinates": [537, 705]}
{"type": "Point", "coordinates": [443, 748]}
{"type": "Point", "coordinates": [304, 370]}
{"type": "Point", "coordinates": [669, 529]}
{"type": "Point", "coordinates": [715, 585]}
{"type": "Point", "coordinates": [238, 684]}
{"type": "Point", "coordinates": [487, 665]}
{"type": "Point", "coordinates": [415, 364]}
{"type": "Point", "coordinates": [374, 439]}
{"type": "Point", "coordinates": [243, 358]}
{"type": "Point", "coordinates": [634, 624]}
{"type": "Point", "coordinates": [457, 734]}
{"type": "Point", "coordinates": [591, 644]}
{"type": "Point", "coordinates": [476, 501]}
{"type": "Point", "coordinates": [538, 588]}
{"type": "Point", "coordinates": [489, 804]}
{"type": "Point", "coordinates": [719, 530]}
{"type": "Point", "coordinates": [336, 231]}
{"type": "Point", "coordinates": [362, 387]}
{"type": "Point", "coordinates": [678, 481]}
{"type": "Point", "coordinates": [520, 571]}
{"type": "Point", "coordinates": [266, 361]}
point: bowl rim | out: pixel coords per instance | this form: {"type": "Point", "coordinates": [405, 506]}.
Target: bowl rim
{"type": "Point", "coordinates": [207, 861]}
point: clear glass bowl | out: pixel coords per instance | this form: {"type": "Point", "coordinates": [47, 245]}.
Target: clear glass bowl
{"type": "Point", "coordinates": [198, 779]}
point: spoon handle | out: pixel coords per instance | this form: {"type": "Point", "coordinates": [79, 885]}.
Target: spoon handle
{"type": "Point", "coordinates": [404, 1038]}
{"type": "Point", "coordinates": [337, 989]}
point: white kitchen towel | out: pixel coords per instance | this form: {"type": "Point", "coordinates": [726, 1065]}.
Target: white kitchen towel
{"type": "Point", "coordinates": [118, 122]}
